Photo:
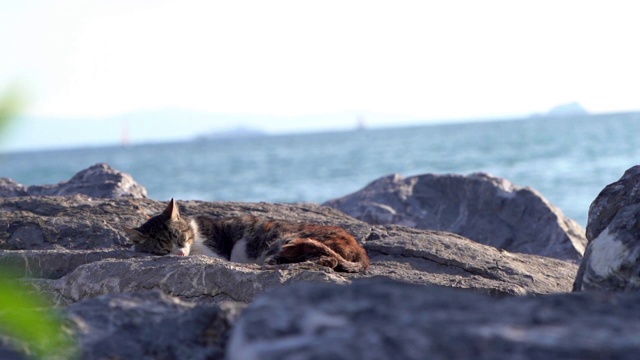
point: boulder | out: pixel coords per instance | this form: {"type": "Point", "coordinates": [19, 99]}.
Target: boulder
{"type": "Point", "coordinates": [150, 325]}
{"type": "Point", "coordinates": [74, 223]}
{"type": "Point", "coordinates": [141, 325]}
{"type": "Point", "coordinates": [10, 188]}
{"type": "Point", "coordinates": [195, 278]}
{"type": "Point", "coordinates": [436, 257]}
{"type": "Point", "coordinates": [383, 319]}
{"type": "Point", "coordinates": [97, 181]}
{"type": "Point", "coordinates": [612, 258]}
{"type": "Point", "coordinates": [121, 304]}
{"type": "Point", "coordinates": [481, 207]}
{"type": "Point", "coordinates": [77, 249]}
{"type": "Point", "coordinates": [611, 199]}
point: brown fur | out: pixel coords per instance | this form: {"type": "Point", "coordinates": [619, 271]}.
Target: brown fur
{"type": "Point", "coordinates": [268, 241]}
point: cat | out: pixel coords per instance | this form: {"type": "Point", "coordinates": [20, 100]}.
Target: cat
{"type": "Point", "coordinates": [249, 239]}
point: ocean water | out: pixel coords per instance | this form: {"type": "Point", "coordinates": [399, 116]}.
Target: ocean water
{"type": "Point", "coordinates": [569, 160]}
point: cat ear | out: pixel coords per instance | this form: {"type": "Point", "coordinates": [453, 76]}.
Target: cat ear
{"type": "Point", "coordinates": [134, 235]}
{"type": "Point", "coordinates": [172, 210]}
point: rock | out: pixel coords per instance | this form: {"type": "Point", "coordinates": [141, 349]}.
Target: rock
{"type": "Point", "coordinates": [10, 188]}
{"type": "Point", "coordinates": [98, 181]}
{"type": "Point", "coordinates": [383, 319]}
{"type": "Point", "coordinates": [142, 325]}
{"type": "Point", "coordinates": [74, 223]}
{"type": "Point", "coordinates": [150, 325]}
{"type": "Point", "coordinates": [435, 257]}
{"type": "Point", "coordinates": [121, 304]}
{"type": "Point", "coordinates": [481, 207]}
{"type": "Point", "coordinates": [196, 278]}
{"type": "Point", "coordinates": [77, 250]}
{"type": "Point", "coordinates": [54, 264]}
{"type": "Point", "coordinates": [612, 258]}
{"type": "Point", "coordinates": [611, 199]}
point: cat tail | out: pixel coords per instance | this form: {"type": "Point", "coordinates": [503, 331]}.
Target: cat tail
{"type": "Point", "coordinates": [301, 249]}
{"type": "Point", "coordinates": [359, 264]}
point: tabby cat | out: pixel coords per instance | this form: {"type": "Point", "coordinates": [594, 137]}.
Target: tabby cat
{"type": "Point", "coordinates": [249, 239]}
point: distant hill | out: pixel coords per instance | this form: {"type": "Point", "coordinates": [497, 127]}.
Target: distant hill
{"type": "Point", "coordinates": [570, 109]}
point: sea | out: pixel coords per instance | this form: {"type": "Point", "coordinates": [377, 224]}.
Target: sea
{"type": "Point", "coordinates": [568, 159]}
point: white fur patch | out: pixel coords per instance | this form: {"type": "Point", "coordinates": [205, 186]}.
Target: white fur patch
{"type": "Point", "coordinates": [239, 252]}
{"type": "Point", "coordinates": [607, 254]}
{"type": "Point", "coordinates": [198, 247]}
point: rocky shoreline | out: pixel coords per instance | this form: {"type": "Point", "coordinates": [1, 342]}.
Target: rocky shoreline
{"type": "Point", "coordinates": [431, 291]}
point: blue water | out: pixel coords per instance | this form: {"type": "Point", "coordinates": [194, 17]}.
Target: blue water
{"type": "Point", "coordinates": [569, 160]}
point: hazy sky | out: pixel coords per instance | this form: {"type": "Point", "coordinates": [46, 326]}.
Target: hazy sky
{"type": "Point", "coordinates": [428, 60]}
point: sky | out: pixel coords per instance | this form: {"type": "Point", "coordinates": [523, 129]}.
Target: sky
{"type": "Point", "coordinates": [307, 65]}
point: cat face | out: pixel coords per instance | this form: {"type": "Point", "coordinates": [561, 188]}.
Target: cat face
{"type": "Point", "coordinates": [163, 234]}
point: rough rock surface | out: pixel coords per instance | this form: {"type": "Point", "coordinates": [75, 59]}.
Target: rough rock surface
{"type": "Point", "coordinates": [97, 181]}
{"type": "Point", "coordinates": [194, 278]}
{"type": "Point", "coordinates": [612, 258]}
{"type": "Point", "coordinates": [611, 199]}
{"type": "Point", "coordinates": [9, 188]}
{"type": "Point", "coordinates": [481, 207]}
{"type": "Point", "coordinates": [122, 304]}
{"type": "Point", "coordinates": [77, 247]}
{"type": "Point", "coordinates": [382, 319]}
{"type": "Point", "coordinates": [162, 327]}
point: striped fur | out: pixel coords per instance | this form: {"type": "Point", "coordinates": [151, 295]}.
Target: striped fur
{"type": "Point", "coordinates": [249, 239]}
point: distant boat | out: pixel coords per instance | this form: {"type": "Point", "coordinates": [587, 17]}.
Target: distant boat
{"type": "Point", "coordinates": [360, 123]}
{"type": "Point", "coordinates": [124, 132]}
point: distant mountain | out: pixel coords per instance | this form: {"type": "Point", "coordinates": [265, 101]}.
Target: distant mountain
{"type": "Point", "coordinates": [570, 109]}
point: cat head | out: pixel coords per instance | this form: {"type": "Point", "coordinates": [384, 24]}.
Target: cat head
{"type": "Point", "coordinates": [163, 234]}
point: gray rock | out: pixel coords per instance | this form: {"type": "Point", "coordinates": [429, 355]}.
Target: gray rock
{"type": "Point", "coordinates": [382, 319]}
{"type": "Point", "coordinates": [422, 258]}
{"type": "Point", "coordinates": [97, 181]}
{"type": "Point", "coordinates": [77, 250]}
{"type": "Point", "coordinates": [10, 188]}
{"type": "Point", "coordinates": [611, 199]}
{"type": "Point", "coordinates": [74, 251]}
{"type": "Point", "coordinates": [11, 349]}
{"type": "Point", "coordinates": [54, 264]}
{"type": "Point", "coordinates": [481, 207]}
{"type": "Point", "coordinates": [150, 325]}
{"type": "Point", "coordinates": [196, 278]}
{"type": "Point", "coordinates": [435, 257]}
{"type": "Point", "coordinates": [142, 325]}
{"type": "Point", "coordinates": [74, 223]}
{"type": "Point", "coordinates": [612, 259]}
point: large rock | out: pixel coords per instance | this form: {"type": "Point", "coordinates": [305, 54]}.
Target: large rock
{"type": "Point", "coordinates": [77, 249]}
{"type": "Point", "coordinates": [150, 325]}
{"type": "Point", "coordinates": [382, 319]}
{"type": "Point", "coordinates": [97, 181]}
{"type": "Point", "coordinates": [73, 250]}
{"type": "Point", "coordinates": [196, 278]}
{"type": "Point", "coordinates": [481, 207]}
{"type": "Point", "coordinates": [75, 223]}
{"type": "Point", "coordinates": [435, 257]}
{"type": "Point", "coordinates": [611, 199]}
{"type": "Point", "coordinates": [612, 258]}
{"type": "Point", "coordinates": [141, 325]}
{"type": "Point", "coordinates": [10, 188]}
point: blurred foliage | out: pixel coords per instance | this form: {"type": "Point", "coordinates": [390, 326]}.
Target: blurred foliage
{"type": "Point", "coordinates": [11, 103]}
{"type": "Point", "coordinates": [30, 320]}
{"type": "Point", "coordinates": [24, 316]}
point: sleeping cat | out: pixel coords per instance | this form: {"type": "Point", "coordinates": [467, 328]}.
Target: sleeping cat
{"type": "Point", "coordinates": [249, 239]}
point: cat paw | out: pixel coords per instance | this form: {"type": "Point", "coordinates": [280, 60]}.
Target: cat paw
{"type": "Point", "coordinates": [271, 260]}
